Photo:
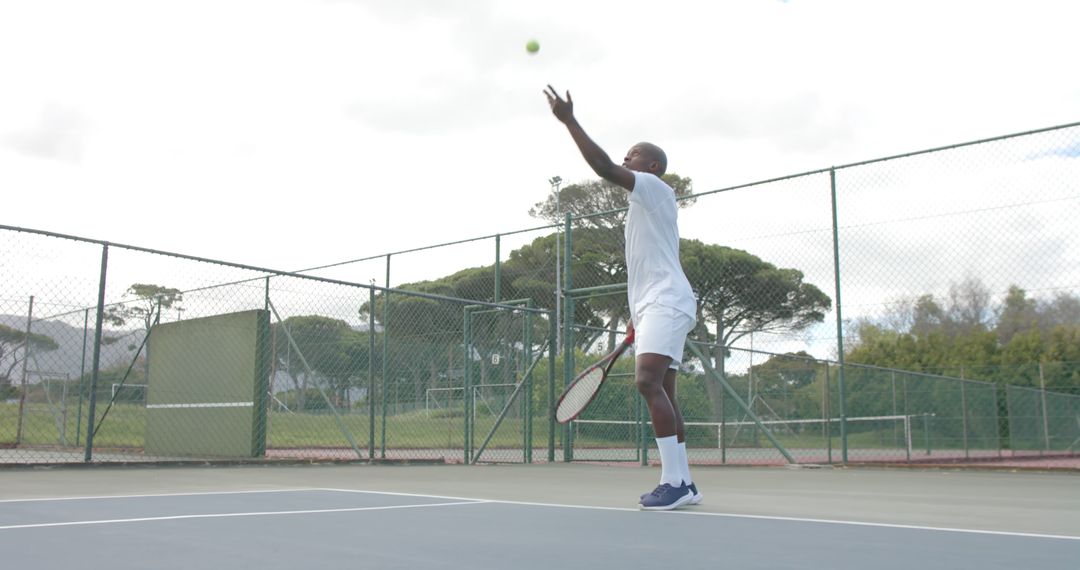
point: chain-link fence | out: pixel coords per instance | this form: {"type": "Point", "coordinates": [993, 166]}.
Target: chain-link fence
{"type": "Point", "coordinates": [954, 271]}
{"type": "Point", "coordinates": [116, 353]}
{"type": "Point", "coordinates": [1043, 422]}
{"type": "Point", "coordinates": [959, 263]}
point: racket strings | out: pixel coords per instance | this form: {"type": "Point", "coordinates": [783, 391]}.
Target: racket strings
{"type": "Point", "coordinates": [579, 395]}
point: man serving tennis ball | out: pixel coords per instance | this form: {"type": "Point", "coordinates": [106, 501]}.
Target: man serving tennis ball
{"type": "Point", "coordinates": [662, 305]}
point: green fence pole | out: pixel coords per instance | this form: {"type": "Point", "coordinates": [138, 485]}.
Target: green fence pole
{"type": "Point", "coordinates": [926, 431]}
{"type": "Point", "coordinates": [385, 364]}
{"type": "Point", "coordinates": [828, 411]}
{"type": "Point", "coordinates": [371, 373]}
{"type": "Point", "coordinates": [839, 319]}
{"type": "Point", "coordinates": [88, 453]}
{"type": "Point", "coordinates": [527, 406]}
{"type": "Point", "coordinates": [1045, 414]}
{"type": "Point", "coordinates": [964, 416]}
{"type": "Point", "coordinates": [553, 327]}
{"type": "Point", "coordinates": [498, 268]}
{"type": "Point", "coordinates": [568, 335]}
{"type": "Point", "coordinates": [82, 376]}
{"type": "Point", "coordinates": [25, 362]}
{"type": "Point", "coordinates": [467, 386]}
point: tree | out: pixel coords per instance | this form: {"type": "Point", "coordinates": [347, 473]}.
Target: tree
{"type": "Point", "coordinates": [330, 347]}
{"type": "Point", "coordinates": [741, 294]}
{"type": "Point", "coordinates": [970, 337]}
{"type": "Point", "coordinates": [15, 346]}
{"type": "Point", "coordinates": [1018, 313]}
{"type": "Point", "coordinates": [595, 196]}
{"type": "Point", "coordinates": [143, 303]}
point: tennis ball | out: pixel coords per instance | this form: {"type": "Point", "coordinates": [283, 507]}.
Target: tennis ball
{"type": "Point", "coordinates": [533, 46]}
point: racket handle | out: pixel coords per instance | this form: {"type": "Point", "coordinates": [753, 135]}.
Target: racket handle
{"type": "Point", "coordinates": [630, 336]}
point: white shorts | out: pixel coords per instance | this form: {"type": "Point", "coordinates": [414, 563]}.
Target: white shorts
{"type": "Point", "coordinates": [659, 329]}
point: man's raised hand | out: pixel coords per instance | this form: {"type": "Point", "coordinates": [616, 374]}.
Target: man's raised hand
{"type": "Point", "coordinates": [563, 109]}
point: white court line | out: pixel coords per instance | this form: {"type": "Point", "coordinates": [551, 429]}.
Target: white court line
{"type": "Point", "coordinates": [737, 516]}
{"type": "Point", "coordinates": [201, 405]}
{"type": "Point", "coordinates": [471, 500]}
{"type": "Point", "coordinates": [227, 515]}
{"type": "Point", "coordinates": [151, 495]}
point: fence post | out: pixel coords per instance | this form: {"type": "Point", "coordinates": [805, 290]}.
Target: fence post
{"type": "Point", "coordinates": [385, 351]}
{"type": "Point", "coordinates": [526, 405]}
{"type": "Point", "coordinates": [82, 375]}
{"type": "Point", "coordinates": [964, 416]}
{"type": "Point", "coordinates": [827, 412]}
{"type": "Point", "coordinates": [88, 453]}
{"type": "Point", "coordinates": [26, 360]}
{"type": "Point", "coordinates": [498, 268]}
{"type": "Point", "coordinates": [371, 373]}
{"type": "Point", "coordinates": [1042, 388]}
{"type": "Point", "coordinates": [466, 383]}
{"type": "Point", "coordinates": [997, 421]}
{"type": "Point", "coordinates": [839, 319]}
{"type": "Point", "coordinates": [568, 337]}
{"type": "Point", "coordinates": [552, 347]}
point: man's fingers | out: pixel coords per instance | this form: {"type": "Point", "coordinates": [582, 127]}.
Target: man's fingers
{"type": "Point", "coordinates": [554, 96]}
{"type": "Point", "coordinates": [569, 99]}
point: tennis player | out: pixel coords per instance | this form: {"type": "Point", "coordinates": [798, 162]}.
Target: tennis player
{"type": "Point", "coordinates": [662, 305]}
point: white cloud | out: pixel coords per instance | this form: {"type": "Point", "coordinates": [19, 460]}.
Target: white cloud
{"type": "Point", "coordinates": [324, 131]}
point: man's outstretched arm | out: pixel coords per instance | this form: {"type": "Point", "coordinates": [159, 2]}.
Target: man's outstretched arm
{"type": "Point", "coordinates": [598, 160]}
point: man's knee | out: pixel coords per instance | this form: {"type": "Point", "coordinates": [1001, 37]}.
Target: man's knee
{"type": "Point", "coordinates": [650, 371]}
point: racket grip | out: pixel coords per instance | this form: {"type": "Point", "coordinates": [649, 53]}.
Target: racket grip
{"type": "Point", "coordinates": [630, 336]}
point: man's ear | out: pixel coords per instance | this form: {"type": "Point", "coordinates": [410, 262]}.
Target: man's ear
{"type": "Point", "coordinates": [654, 167]}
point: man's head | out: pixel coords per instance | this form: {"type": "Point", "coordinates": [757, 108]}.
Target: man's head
{"type": "Point", "coordinates": [646, 157]}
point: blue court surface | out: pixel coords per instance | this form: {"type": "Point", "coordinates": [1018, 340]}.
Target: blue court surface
{"type": "Point", "coordinates": [317, 527]}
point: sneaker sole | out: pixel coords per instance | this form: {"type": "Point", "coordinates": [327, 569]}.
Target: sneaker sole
{"type": "Point", "coordinates": [698, 498]}
{"type": "Point", "coordinates": [678, 503]}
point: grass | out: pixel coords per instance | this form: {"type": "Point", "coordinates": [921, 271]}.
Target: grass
{"type": "Point", "coordinates": [125, 427]}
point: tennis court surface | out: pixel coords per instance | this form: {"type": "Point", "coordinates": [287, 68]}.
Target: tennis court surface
{"type": "Point", "coordinates": [522, 516]}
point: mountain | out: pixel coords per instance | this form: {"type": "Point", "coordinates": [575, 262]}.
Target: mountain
{"type": "Point", "coordinates": [68, 359]}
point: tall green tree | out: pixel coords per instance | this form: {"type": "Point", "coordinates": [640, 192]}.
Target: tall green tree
{"type": "Point", "coordinates": [335, 352]}
{"type": "Point", "coordinates": [15, 346]}
{"type": "Point", "coordinates": [967, 335]}
{"type": "Point", "coordinates": [142, 303]}
{"type": "Point", "coordinates": [740, 294]}
{"type": "Point", "coordinates": [594, 196]}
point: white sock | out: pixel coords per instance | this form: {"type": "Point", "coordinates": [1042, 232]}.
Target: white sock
{"type": "Point", "coordinates": [684, 463]}
{"type": "Point", "coordinates": [670, 472]}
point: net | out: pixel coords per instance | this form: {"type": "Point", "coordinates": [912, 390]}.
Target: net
{"type": "Point", "coordinates": [810, 440]}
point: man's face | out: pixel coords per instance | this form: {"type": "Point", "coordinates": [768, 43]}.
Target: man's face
{"type": "Point", "coordinates": [638, 159]}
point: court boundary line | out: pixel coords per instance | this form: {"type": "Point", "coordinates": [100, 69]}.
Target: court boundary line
{"type": "Point", "coordinates": [472, 500]}
{"type": "Point", "coordinates": [737, 516]}
{"type": "Point", "coordinates": [151, 495]}
{"type": "Point", "coordinates": [230, 515]}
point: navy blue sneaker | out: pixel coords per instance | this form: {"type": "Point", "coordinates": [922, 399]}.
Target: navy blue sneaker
{"type": "Point", "coordinates": [665, 498]}
{"type": "Point", "coordinates": [697, 496]}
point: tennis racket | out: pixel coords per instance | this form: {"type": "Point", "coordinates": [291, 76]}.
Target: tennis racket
{"type": "Point", "coordinates": [581, 392]}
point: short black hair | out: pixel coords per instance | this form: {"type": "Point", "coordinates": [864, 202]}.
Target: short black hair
{"type": "Point", "coordinates": [655, 153]}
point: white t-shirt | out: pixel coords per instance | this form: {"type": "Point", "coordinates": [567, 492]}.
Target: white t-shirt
{"type": "Point", "coordinates": [654, 273]}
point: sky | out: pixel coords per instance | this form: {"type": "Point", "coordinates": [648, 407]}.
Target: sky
{"type": "Point", "coordinates": [294, 133]}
